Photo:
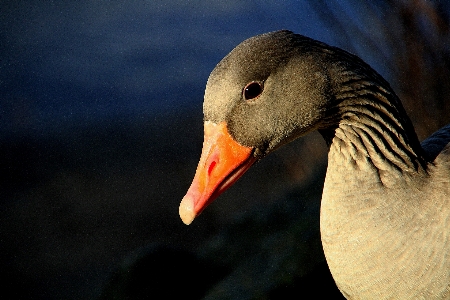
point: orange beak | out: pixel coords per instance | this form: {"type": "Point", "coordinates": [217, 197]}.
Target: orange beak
{"type": "Point", "coordinates": [222, 163]}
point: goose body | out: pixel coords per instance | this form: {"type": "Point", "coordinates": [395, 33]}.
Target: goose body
{"type": "Point", "coordinates": [385, 211]}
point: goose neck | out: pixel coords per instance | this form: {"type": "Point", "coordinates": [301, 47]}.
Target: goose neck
{"type": "Point", "coordinates": [373, 132]}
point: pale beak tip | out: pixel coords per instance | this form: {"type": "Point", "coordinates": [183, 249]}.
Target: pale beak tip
{"type": "Point", "coordinates": [186, 210]}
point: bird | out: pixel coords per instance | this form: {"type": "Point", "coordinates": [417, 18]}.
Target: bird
{"type": "Point", "coordinates": [385, 211]}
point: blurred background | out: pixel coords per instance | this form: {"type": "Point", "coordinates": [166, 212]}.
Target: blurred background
{"type": "Point", "coordinates": [101, 129]}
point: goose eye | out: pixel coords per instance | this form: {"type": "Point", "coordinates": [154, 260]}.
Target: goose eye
{"type": "Point", "coordinates": [252, 90]}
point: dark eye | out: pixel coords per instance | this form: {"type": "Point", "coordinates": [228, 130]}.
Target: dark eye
{"type": "Point", "coordinates": [252, 90]}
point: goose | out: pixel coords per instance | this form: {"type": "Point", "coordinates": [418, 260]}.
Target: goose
{"type": "Point", "coordinates": [385, 211]}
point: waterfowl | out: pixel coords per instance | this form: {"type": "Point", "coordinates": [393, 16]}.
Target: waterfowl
{"type": "Point", "coordinates": [385, 211]}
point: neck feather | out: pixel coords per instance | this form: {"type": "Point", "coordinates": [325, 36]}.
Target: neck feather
{"type": "Point", "coordinates": [368, 122]}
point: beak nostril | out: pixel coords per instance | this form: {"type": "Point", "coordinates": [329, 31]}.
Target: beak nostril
{"type": "Point", "coordinates": [211, 167]}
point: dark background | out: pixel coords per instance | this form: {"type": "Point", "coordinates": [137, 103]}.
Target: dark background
{"type": "Point", "coordinates": [101, 130]}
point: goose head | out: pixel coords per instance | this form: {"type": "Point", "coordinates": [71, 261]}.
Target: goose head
{"type": "Point", "coordinates": [266, 92]}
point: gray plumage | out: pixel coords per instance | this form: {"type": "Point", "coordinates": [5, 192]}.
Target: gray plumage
{"type": "Point", "coordinates": [385, 211]}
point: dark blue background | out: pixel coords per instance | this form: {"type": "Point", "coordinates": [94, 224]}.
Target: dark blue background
{"type": "Point", "coordinates": [101, 125]}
